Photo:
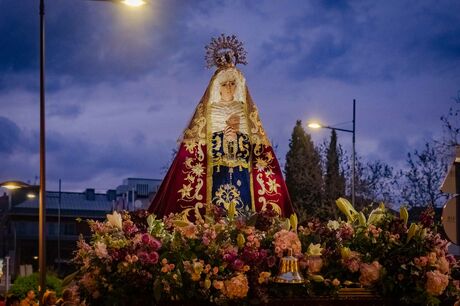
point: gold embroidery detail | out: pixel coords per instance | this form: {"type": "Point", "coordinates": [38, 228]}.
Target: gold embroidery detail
{"type": "Point", "coordinates": [261, 182]}
{"type": "Point", "coordinates": [198, 169]}
{"type": "Point", "coordinates": [257, 125]}
{"type": "Point", "coordinates": [194, 171]}
{"type": "Point", "coordinates": [227, 194]}
{"type": "Point", "coordinates": [218, 144]}
{"type": "Point", "coordinates": [265, 172]}
{"type": "Point", "coordinates": [198, 187]}
{"type": "Point", "coordinates": [261, 164]}
{"type": "Point", "coordinates": [185, 191]}
{"type": "Point", "coordinates": [275, 207]}
{"type": "Point", "coordinates": [196, 130]}
{"type": "Point", "coordinates": [195, 210]}
{"type": "Point", "coordinates": [273, 186]}
{"type": "Point", "coordinates": [190, 145]}
{"type": "Point", "coordinates": [234, 154]}
{"type": "Point", "coordinates": [200, 153]}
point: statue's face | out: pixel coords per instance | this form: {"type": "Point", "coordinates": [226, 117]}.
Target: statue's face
{"type": "Point", "coordinates": [227, 90]}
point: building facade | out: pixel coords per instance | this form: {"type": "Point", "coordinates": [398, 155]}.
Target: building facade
{"type": "Point", "coordinates": [66, 215]}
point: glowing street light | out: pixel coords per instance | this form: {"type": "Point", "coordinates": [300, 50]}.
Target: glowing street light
{"type": "Point", "coordinates": [31, 196]}
{"type": "Point", "coordinates": [316, 125]}
{"type": "Point", "coordinates": [134, 3]}
{"type": "Point", "coordinates": [12, 185]}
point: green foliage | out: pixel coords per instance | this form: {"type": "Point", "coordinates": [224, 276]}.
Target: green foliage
{"type": "Point", "coordinates": [303, 174]}
{"type": "Point", "coordinates": [22, 284]}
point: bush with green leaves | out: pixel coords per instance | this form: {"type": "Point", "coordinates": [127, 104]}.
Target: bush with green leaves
{"type": "Point", "coordinates": [22, 284]}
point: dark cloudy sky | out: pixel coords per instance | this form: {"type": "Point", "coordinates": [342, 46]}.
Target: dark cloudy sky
{"type": "Point", "coordinates": [122, 83]}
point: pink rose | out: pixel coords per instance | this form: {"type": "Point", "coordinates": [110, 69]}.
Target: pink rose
{"type": "Point", "coordinates": [285, 240]}
{"type": "Point", "coordinates": [238, 264]}
{"type": "Point", "coordinates": [206, 241]}
{"type": "Point", "coordinates": [153, 257]}
{"type": "Point", "coordinates": [145, 238]}
{"type": "Point", "coordinates": [143, 257]}
{"type": "Point", "coordinates": [370, 273]}
{"type": "Point", "coordinates": [155, 244]}
{"type": "Point", "coordinates": [353, 264]}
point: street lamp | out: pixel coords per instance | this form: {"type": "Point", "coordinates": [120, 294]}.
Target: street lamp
{"type": "Point", "coordinates": [12, 185]}
{"type": "Point", "coordinates": [134, 3]}
{"type": "Point", "coordinates": [42, 204]}
{"type": "Point", "coordinates": [316, 125]}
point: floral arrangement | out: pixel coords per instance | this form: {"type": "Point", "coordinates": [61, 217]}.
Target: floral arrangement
{"type": "Point", "coordinates": [135, 258]}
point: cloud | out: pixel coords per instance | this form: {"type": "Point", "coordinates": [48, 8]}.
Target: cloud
{"type": "Point", "coordinates": [9, 135]}
{"type": "Point", "coordinates": [366, 41]}
{"type": "Point", "coordinates": [92, 42]}
{"type": "Point", "coordinates": [77, 159]}
{"type": "Point", "coordinates": [67, 111]}
{"type": "Point", "coordinates": [122, 85]}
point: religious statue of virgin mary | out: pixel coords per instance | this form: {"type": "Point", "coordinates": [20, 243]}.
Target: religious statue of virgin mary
{"type": "Point", "coordinates": [224, 157]}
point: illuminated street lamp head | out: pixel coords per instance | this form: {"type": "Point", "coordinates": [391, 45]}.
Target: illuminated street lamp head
{"type": "Point", "coordinates": [133, 3]}
{"type": "Point", "coordinates": [314, 125]}
{"type": "Point", "coordinates": [31, 195]}
{"type": "Point", "coordinates": [11, 185]}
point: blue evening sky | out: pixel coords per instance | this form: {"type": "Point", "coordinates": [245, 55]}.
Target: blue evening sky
{"type": "Point", "coordinates": [122, 83]}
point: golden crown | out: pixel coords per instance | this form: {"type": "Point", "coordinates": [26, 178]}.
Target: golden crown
{"type": "Point", "coordinates": [225, 51]}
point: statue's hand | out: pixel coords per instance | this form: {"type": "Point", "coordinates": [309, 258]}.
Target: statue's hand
{"type": "Point", "coordinates": [229, 133]}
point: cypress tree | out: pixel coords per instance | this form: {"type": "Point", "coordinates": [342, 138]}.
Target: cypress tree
{"type": "Point", "coordinates": [303, 174]}
{"type": "Point", "coordinates": [334, 181]}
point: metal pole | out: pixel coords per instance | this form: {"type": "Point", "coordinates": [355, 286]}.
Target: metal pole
{"type": "Point", "coordinates": [7, 278]}
{"type": "Point", "coordinates": [10, 200]}
{"type": "Point", "coordinates": [59, 229]}
{"type": "Point", "coordinates": [42, 207]}
{"type": "Point", "coordinates": [353, 174]}
{"type": "Point", "coordinates": [132, 206]}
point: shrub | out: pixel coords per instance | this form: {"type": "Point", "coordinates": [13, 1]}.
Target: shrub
{"type": "Point", "coordinates": [22, 284]}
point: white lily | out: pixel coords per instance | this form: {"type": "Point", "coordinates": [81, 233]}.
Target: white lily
{"type": "Point", "coordinates": [115, 220]}
{"type": "Point", "coordinates": [314, 249]}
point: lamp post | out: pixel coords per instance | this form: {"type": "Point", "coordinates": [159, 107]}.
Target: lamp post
{"type": "Point", "coordinates": [11, 185]}
{"type": "Point", "coordinates": [42, 203]}
{"type": "Point", "coordinates": [315, 125]}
